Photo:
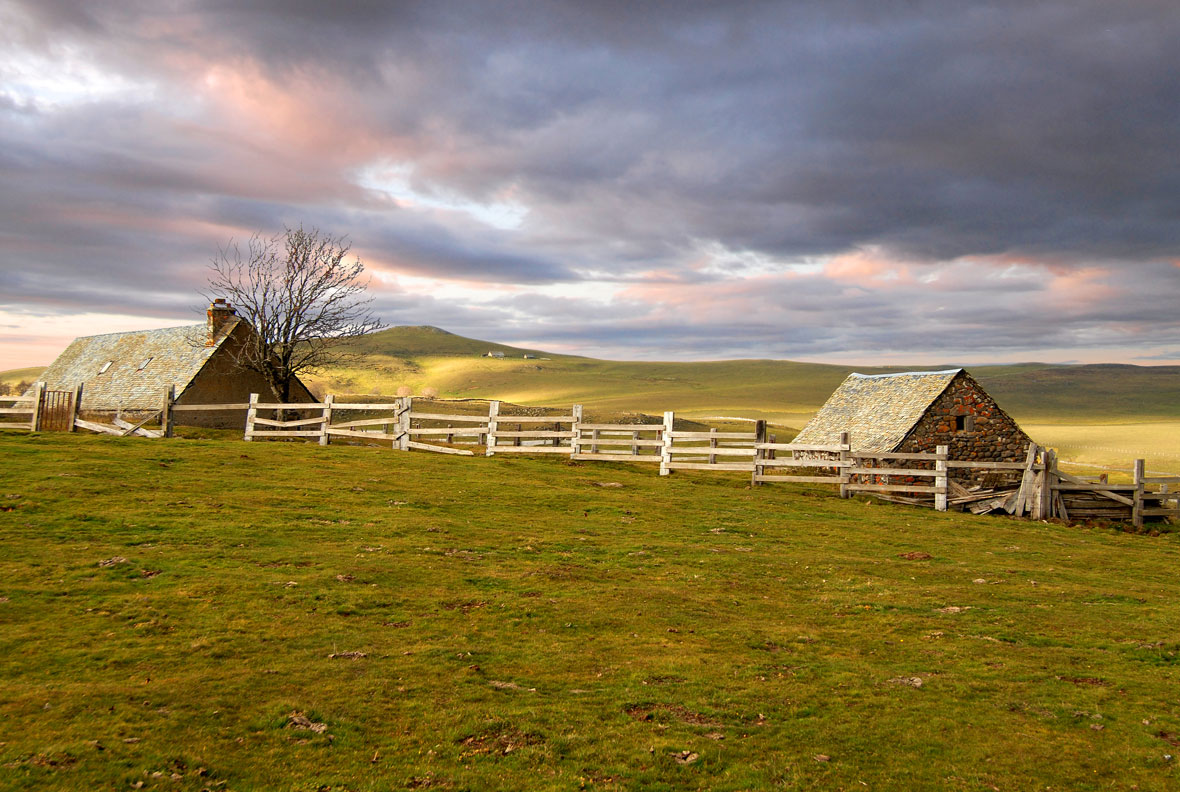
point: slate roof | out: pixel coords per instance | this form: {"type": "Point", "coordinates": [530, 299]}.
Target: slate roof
{"type": "Point", "coordinates": [176, 356]}
{"type": "Point", "coordinates": [877, 410]}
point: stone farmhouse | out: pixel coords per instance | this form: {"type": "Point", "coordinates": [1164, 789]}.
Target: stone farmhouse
{"type": "Point", "coordinates": [915, 412]}
{"type": "Point", "coordinates": [130, 372]}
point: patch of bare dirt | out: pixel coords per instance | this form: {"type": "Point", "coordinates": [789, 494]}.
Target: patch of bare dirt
{"type": "Point", "coordinates": [1085, 681]}
{"type": "Point", "coordinates": [498, 742]}
{"type": "Point", "coordinates": [300, 722]}
{"type": "Point", "coordinates": [648, 712]}
{"type": "Point", "coordinates": [467, 606]}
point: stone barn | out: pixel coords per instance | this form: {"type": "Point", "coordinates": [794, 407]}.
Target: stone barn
{"type": "Point", "coordinates": [130, 372]}
{"type": "Point", "coordinates": [916, 412]}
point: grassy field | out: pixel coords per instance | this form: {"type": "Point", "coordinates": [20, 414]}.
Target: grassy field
{"type": "Point", "coordinates": [209, 614]}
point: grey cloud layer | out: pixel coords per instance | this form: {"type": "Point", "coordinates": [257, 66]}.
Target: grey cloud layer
{"type": "Point", "coordinates": [633, 133]}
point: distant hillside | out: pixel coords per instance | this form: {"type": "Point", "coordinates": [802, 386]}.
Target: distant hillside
{"type": "Point", "coordinates": [13, 377]}
{"type": "Point", "coordinates": [415, 340]}
{"type": "Point", "coordinates": [780, 390]}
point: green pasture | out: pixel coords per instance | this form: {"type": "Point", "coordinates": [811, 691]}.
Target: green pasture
{"type": "Point", "coordinates": [212, 614]}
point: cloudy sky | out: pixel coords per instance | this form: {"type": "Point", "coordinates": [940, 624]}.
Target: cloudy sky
{"type": "Point", "coordinates": [860, 181]}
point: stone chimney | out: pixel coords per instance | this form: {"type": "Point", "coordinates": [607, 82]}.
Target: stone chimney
{"type": "Point", "coordinates": [219, 313]}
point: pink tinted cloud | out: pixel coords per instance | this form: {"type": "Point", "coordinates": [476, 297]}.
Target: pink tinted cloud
{"type": "Point", "coordinates": [870, 266]}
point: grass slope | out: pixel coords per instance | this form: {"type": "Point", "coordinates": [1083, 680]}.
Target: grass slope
{"type": "Point", "coordinates": [172, 613]}
{"type": "Point", "coordinates": [14, 377]}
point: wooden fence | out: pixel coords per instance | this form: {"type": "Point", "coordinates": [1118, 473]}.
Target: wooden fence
{"type": "Point", "coordinates": [22, 412]}
{"type": "Point", "coordinates": [1034, 487]}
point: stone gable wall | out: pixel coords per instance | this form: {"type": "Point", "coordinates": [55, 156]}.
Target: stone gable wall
{"type": "Point", "coordinates": [994, 437]}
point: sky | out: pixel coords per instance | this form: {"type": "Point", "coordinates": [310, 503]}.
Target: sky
{"type": "Point", "coordinates": [849, 181]}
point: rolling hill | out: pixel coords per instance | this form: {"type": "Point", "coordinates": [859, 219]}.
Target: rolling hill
{"type": "Point", "coordinates": [779, 390]}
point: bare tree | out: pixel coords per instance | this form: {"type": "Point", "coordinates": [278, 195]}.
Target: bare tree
{"type": "Point", "coordinates": [301, 291]}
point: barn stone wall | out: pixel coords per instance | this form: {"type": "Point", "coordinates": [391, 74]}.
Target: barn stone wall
{"type": "Point", "coordinates": [990, 435]}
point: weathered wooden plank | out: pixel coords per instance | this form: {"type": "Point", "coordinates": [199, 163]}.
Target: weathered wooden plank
{"type": "Point", "coordinates": [1161, 480]}
{"type": "Point", "coordinates": [617, 457]}
{"type": "Point", "coordinates": [538, 434]}
{"type": "Point", "coordinates": [523, 419]}
{"type": "Point", "coordinates": [210, 407]}
{"type": "Point", "coordinates": [1160, 512]}
{"type": "Point", "coordinates": [291, 406]}
{"type": "Point", "coordinates": [98, 427]}
{"type": "Point", "coordinates": [281, 433]}
{"type": "Point", "coordinates": [459, 431]}
{"type": "Point", "coordinates": [16, 410]}
{"type": "Point", "coordinates": [800, 479]}
{"type": "Point", "coordinates": [624, 427]}
{"type": "Point", "coordinates": [442, 449]}
{"type": "Point", "coordinates": [951, 463]}
{"type": "Point", "coordinates": [130, 428]}
{"type": "Point", "coordinates": [932, 457]}
{"type": "Point", "coordinates": [710, 435]}
{"type": "Point", "coordinates": [895, 488]}
{"type": "Point", "coordinates": [869, 471]}
{"type": "Point", "coordinates": [335, 432]}
{"type": "Point", "coordinates": [288, 424]}
{"type": "Point", "coordinates": [1095, 487]}
{"type": "Point", "coordinates": [621, 441]}
{"type": "Point", "coordinates": [710, 451]}
{"type": "Point", "coordinates": [532, 449]}
{"type": "Point", "coordinates": [827, 449]}
{"type": "Point", "coordinates": [805, 463]}
{"type": "Point", "coordinates": [375, 406]}
{"type": "Point", "coordinates": [741, 467]}
{"type": "Point", "coordinates": [444, 417]}
{"type": "Point", "coordinates": [391, 420]}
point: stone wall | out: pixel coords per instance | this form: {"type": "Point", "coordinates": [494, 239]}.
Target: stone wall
{"type": "Point", "coordinates": [989, 435]}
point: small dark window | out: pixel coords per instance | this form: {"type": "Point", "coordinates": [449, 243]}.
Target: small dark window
{"type": "Point", "coordinates": [964, 423]}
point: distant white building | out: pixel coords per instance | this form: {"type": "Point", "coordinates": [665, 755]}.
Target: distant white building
{"type": "Point", "coordinates": [494, 355]}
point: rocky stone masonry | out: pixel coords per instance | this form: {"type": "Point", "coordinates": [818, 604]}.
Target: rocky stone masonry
{"type": "Point", "coordinates": [993, 437]}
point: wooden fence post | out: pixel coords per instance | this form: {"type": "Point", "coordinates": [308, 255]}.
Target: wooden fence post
{"type": "Point", "coordinates": [712, 444]}
{"type": "Point", "coordinates": [666, 448]}
{"type": "Point", "coordinates": [38, 406]}
{"type": "Point", "coordinates": [1137, 508]}
{"type": "Point", "coordinates": [842, 472]}
{"type": "Point", "coordinates": [325, 438]}
{"type": "Point", "coordinates": [493, 415]}
{"type": "Point", "coordinates": [759, 454]}
{"type": "Point", "coordinates": [75, 407]}
{"type": "Point", "coordinates": [405, 406]}
{"type": "Point", "coordinates": [576, 440]}
{"type": "Point", "coordinates": [940, 477]}
{"type": "Point", "coordinates": [166, 414]}
{"type": "Point", "coordinates": [251, 414]}
{"type": "Point", "coordinates": [1046, 491]}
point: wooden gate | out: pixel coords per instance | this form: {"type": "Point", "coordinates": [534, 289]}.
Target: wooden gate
{"type": "Point", "coordinates": [57, 411]}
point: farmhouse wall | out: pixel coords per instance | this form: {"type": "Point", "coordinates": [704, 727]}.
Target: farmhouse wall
{"type": "Point", "coordinates": [990, 435]}
{"type": "Point", "coordinates": [222, 381]}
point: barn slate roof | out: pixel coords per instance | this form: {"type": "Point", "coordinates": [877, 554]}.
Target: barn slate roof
{"type": "Point", "coordinates": [877, 410]}
{"type": "Point", "coordinates": [174, 357]}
